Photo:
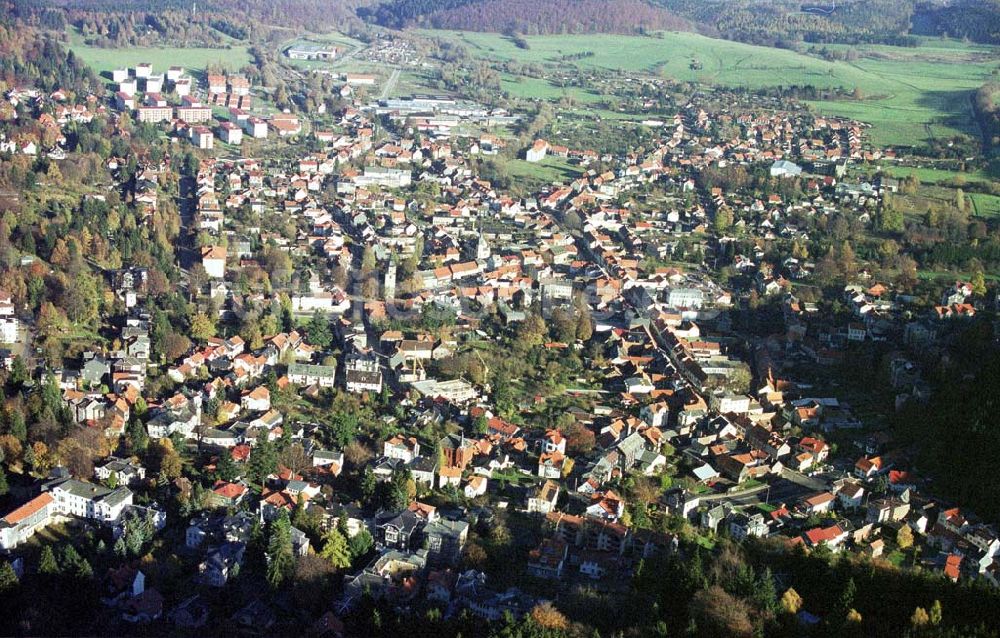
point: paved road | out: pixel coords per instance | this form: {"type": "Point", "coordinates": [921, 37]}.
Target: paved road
{"type": "Point", "coordinates": [778, 491]}
{"type": "Point", "coordinates": [801, 479]}
{"type": "Point", "coordinates": [390, 85]}
{"type": "Point", "coordinates": [735, 496]}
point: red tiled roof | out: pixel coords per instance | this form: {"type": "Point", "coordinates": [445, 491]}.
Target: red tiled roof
{"type": "Point", "coordinates": [951, 566]}
{"type": "Point", "coordinates": [820, 535]}
{"type": "Point", "coordinates": [229, 490]}
{"type": "Point", "coordinates": [29, 508]}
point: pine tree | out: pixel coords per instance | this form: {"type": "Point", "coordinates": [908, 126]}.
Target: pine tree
{"type": "Point", "coordinates": [47, 562]}
{"type": "Point", "coordinates": [847, 596]}
{"type": "Point", "coordinates": [226, 469]}
{"type": "Point", "coordinates": [4, 488]}
{"type": "Point", "coordinates": [765, 595]}
{"type": "Point", "coordinates": [138, 438]}
{"type": "Point", "coordinates": [335, 549]}
{"type": "Point", "coordinates": [18, 429]}
{"type": "Point", "coordinates": [8, 578]}
{"type": "Point", "coordinates": [319, 331]}
{"type": "Point", "coordinates": [83, 570]}
{"type": "Point", "coordinates": [134, 538]}
{"type": "Point", "coordinates": [397, 495]}
{"type": "Point", "coordinates": [19, 372]}
{"type": "Point", "coordinates": [263, 461]}
{"type": "Point", "coordinates": [70, 559]}
{"type": "Point", "coordinates": [360, 544]}
{"type": "Point", "coordinates": [368, 485]}
{"type": "Point", "coordinates": [280, 558]}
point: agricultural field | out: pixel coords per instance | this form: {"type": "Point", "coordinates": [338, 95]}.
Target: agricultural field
{"type": "Point", "coordinates": [192, 59]}
{"type": "Point", "coordinates": [908, 95]}
{"type": "Point", "coordinates": [936, 175]}
{"type": "Point", "coordinates": [538, 88]}
{"type": "Point", "coordinates": [913, 94]}
{"type": "Point", "coordinates": [985, 205]}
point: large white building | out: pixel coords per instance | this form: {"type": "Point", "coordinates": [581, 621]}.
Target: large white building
{"type": "Point", "coordinates": [382, 176]}
{"type": "Point", "coordinates": [89, 500]}
{"type": "Point", "coordinates": [455, 390]}
{"type": "Point", "coordinates": [230, 133]}
{"type": "Point", "coordinates": [8, 322]}
{"type": "Point", "coordinates": [22, 523]}
{"type": "Point", "coordinates": [304, 374]}
{"type": "Point", "coordinates": [178, 414]}
{"type": "Point", "coordinates": [213, 258]}
{"type": "Point", "coordinates": [784, 168]}
{"type": "Point", "coordinates": [363, 374]}
{"type": "Point", "coordinates": [63, 498]}
{"type": "Point", "coordinates": [255, 127]}
{"type": "Point", "coordinates": [307, 51]}
{"type": "Point", "coordinates": [154, 84]}
{"type": "Point", "coordinates": [685, 298]}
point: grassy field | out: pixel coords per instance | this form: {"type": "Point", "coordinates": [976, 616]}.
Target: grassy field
{"type": "Point", "coordinates": [935, 175]}
{"type": "Point", "coordinates": [985, 205]}
{"type": "Point", "coordinates": [952, 275]}
{"type": "Point", "coordinates": [525, 87]}
{"type": "Point", "coordinates": [908, 94]}
{"type": "Point", "coordinates": [192, 59]}
{"type": "Point", "coordinates": [551, 169]}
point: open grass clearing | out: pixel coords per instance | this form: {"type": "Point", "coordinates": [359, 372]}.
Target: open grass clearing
{"type": "Point", "coordinates": [909, 94]}
{"type": "Point", "coordinates": [551, 169]}
{"type": "Point", "coordinates": [935, 175]}
{"type": "Point", "coordinates": [985, 205]}
{"type": "Point", "coordinates": [192, 59]}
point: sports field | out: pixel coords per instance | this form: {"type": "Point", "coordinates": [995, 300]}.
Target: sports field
{"type": "Point", "coordinates": [908, 94]}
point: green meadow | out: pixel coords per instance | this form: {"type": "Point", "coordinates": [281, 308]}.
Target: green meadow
{"type": "Point", "coordinates": [935, 175]}
{"type": "Point", "coordinates": [192, 59]}
{"type": "Point", "coordinates": [549, 170]}
{"type": "Point", "coordinates": [984, 204]}
{"type": "Point", "coordinates": [908, 94]}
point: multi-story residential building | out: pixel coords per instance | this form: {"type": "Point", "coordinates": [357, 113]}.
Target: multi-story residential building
{"type": "Point", "coordinates": [305, 374]}
{"type": "Point", "coordinates": [89, 500]}
{"type": "Point", "coordinates": [444, 541]}
{"type": "Point", "coordinates": [22, 523]}
{"type": "Point", "coordinates": [194, 112]}
{"type": "Point", "coordinates": [154, 114]}
{"type": "Point", "coordinates": [363, 374]}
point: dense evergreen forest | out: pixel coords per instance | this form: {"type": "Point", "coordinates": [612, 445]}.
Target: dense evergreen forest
{"type": "Point", "coordinates": [207, 23]}
{"type": "Point", "coordinates": [884, 21]}
{"type": "Point", "coordinates": [769, 22]}
{"type": "Point", "coordinates": [527, 16]}
{"type": "Point", "coordinates": [987, 107]}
